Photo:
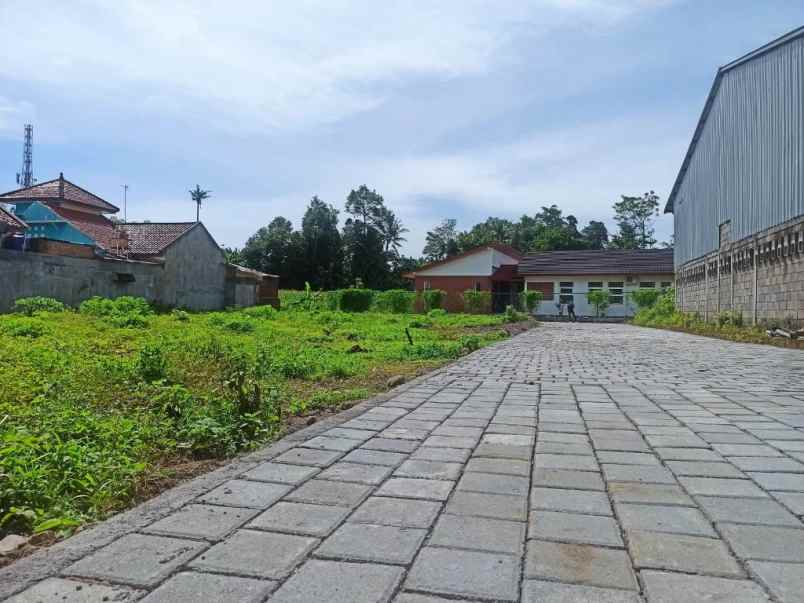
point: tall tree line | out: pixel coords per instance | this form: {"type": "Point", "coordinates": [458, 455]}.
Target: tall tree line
{"type": "Point", "coordinates": [364, 252]}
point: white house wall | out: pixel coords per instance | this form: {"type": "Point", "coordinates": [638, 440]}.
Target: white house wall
{"type": "Point", "coordinates": [581, 287]}
{"type": "Point", "coordinates": [477, 264]}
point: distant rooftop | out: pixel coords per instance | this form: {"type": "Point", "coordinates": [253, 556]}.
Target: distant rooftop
{"type": "Point", "coordinates": [59, 190]}
{"type": "Point", "coordinates": [150, 239]}
{"type": "Point", "coordinates": [599, 261]}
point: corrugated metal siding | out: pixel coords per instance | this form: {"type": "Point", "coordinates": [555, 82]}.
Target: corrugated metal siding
{"type": "Point", "coordinates": [748, 166]}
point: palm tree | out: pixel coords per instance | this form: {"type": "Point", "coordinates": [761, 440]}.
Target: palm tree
{"type": "Point", "coordinates": [198, 195]}
{"type": "Point", "coordinates": [392, 230]}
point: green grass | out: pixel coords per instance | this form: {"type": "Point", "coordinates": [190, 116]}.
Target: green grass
{"type": "Point", "coordinates": [94, 404]}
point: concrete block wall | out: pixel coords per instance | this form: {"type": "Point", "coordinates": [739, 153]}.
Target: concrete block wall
{"type": "Point", "coordinates": [772, 261]}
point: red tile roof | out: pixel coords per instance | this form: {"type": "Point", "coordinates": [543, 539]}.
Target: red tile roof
{"type": "Point", "coordinates": [11, 221]}
{"type": "Point", "coordinates": [97, 227]}
{"type": "Point", "coordinates": [61, 190]}
{"type": "Point", "coordinates": [150, 239]}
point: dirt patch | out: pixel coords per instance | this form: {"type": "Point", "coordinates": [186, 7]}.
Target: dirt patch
{"type": "Point", "coordinates": [749, 337]}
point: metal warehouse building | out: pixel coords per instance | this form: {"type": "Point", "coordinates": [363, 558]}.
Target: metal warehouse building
{"type": "Point", "coordinates": [738, 200]}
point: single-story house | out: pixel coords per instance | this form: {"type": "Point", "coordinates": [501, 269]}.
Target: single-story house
{"type": "Point", "coordinates": [10, 225]}
{"type": "Point", "coordinates": [486, 268]}
{"type": "Point", "coordinates": [564, 276]}
{"type": "Point", "coordinates": [172, 264]}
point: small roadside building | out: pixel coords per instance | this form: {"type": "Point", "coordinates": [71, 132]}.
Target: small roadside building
{"type": "Point", "coordinates": [738, 199]}
{"type": "Point", "coordinates": [486, 268]}
{"type": "Point", "coordinates": [10, 226]}
{"type": "Point", "coordinates": [74, 251]}
{"type": "Point", "coordinates": [568, 276]}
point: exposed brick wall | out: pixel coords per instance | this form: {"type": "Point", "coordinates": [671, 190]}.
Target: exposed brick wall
{"type": "Point", "coordinates": [51, 247]}
{"type": "Point", "coordinates": [724, 280]}
{"type": "Point", "coordinates": [454, 286]}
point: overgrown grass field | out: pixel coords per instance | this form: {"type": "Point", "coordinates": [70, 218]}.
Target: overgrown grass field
{"type": "Point", "coordinates": [97, 405]}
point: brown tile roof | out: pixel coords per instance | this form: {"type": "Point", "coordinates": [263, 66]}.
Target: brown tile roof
{"type": "Point", "coordinates": [603, 261]}
{"type": "Point", "coordinates": [150, 239]}
{"type": "Point", "coordinates": [99, 228]}
{"type": "Point", "coordinates": [61, 190]}
{"type": "Point", "coordinates": [11, 221]}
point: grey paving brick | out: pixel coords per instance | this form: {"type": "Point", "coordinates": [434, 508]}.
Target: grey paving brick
{"type": "Point", "coordinates": [574, 501]}
{"type": "Point", "coordinates": [281, 473]}
{"type": "Point", "coordinates": [350, 433]}
{"type": "Point", "coordinates": [191, 587]}
{"type": "Point", "coordinates": [375, 457]}
{"type": "Point", "coordinates": [637, 473]}
{"type": "Point", "coordinates": [406, 487]}
{"type": "Point", "coordinates": [679, 552]}
{"type": "Point", "coordinates": [339, 582]}
{"type": "Point", "coordinates": [747, 510]}
{"type": "Point", "coordinates": [450, 455]}
{"type": "Point", "coordinates": [429, 469]}
{"type": "Point", "coordinates": [414, 598]}
{"type": "Point", "coordinates": [309, 456]}
{"type": "Point", "coordinates": [300, 518]}
{"type": "Point", "coordinates": [563, 478]}
{"type": "Point", "coordinates": [137, 559]}
{"type": "Point", "coordinates": [496, 506]}
{"type": "Point", "coordinates": [367, 542]}
{"type": "Point", "coordinates": [329, 443]}
{"type": "Point", "coordinates": [325, 492]}
{"type": "Point", "coordinates": [359, 473]}
{"type": "Point", "coordinates": [494, 483]}
{"type": "Point", "coordinates": [704, 469]}
{"type": "Point", "coordinates": [538, 591]}
{"type": "Point", "coordinates": [565, 461]}
{"type": "Point", "coordinates": [627, 458]}
{"type": "Point", "coordinates": [666, 587]}
{"type": "Point", "coordinates": [792, 500]}
{"type": "Point", "coordinates": [765, 542]}
{"type": "Point", "coordinates": [503, 466]}
{"type": "Point", "coordinates": [784, 580]}
{"type": "Point", "coordinates": [405, 513]}
{"type": "Point", "coordinates": [688, 454]}
{"type": "Point", "coordinates": [73, 591]}
{"type": "Point", "coordinates": [465, 573]}
{"type": "Point", "coordinates": [494, 535]}
{"type": "Point", "coordinates": [503, 451]}
{"type": "Point", "coordinates": [759, 463]}
{"type": "Point", "coordinates": [745, 450]}
{"type": "Point", "coordinates": [579, 564]}
{"type": "Point", "coordinates": [572, 527]}
{"type": "Point", "coordinates": [714, 486]}
{"type": "Point", "coordinates": [243, 493]}
{"type": "Point", "coordinates": [661, 518]}
{"type": "Point", "coordinates": [391, 445]}
{"type": "Point", "coordinates": [784, 482]}
{"type": "Point", "coordinates": [625, 492]}
{"type": "Point", "coordinates": [211, 522]}
{"type": "Point", "coordinates": [244, 553]}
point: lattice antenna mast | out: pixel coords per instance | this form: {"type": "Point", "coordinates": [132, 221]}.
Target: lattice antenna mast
{"type": "Point", "coordinates": [25, 177]}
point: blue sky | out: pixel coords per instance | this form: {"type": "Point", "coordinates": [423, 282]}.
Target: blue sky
{"type": "Point", "coordinates": [462, 111]}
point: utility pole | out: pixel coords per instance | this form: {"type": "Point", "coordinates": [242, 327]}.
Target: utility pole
{"type": "Point", "coordinates": [125, 202]}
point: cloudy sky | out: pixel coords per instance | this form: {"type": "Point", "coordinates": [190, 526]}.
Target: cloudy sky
{"type": "Point", "coordinates": [457, 109]}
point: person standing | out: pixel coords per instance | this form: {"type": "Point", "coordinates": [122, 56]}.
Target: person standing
{"type": "Point", "coordinates": [571, 310]}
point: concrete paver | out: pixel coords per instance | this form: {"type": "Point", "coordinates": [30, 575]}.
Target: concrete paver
{"type": "Point", "coordinates": [558, 466]}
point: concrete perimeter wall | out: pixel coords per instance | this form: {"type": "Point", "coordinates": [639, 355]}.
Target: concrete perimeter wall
{"type": "Point", "coordinates": [761, 276]}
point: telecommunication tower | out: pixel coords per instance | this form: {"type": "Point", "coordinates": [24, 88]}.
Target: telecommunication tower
{"type": "Point", "coordinates": [25, 177]}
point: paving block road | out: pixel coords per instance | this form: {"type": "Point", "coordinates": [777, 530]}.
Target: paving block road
{"type": "Point", "coordinates": [574, 462]}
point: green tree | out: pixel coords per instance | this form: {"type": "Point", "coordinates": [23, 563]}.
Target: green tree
{"type": "Point", "coordinates": [635, 217]}
{"type": "Point", "coordinates": [441, 242]}
{"type": "Point", "coordinates": [277, 249]}
{"type": "Point", "coordinates": [392, 230]}
{"type": "Point", "coordinates": [363, 240]}
{"type": "Point", "coordinates": [600, 300]}
{"type": "Point", "coordinates": [233, 255]}
{"type": "Point", "coordinates": [596, 235]}
{"type": "Point", "coordinates": [323, 254]}
{"type": "Point", "coordinates": [198, 195]}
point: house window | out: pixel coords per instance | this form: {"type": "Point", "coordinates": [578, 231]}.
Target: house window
{"type": "Point", "coordinates": [615, 292]}
{"type": "Point", "coordinates": [647, 285]}
{"type": "Point", "coordinates": [595, 285]}
{"type": "Point", "coordinates": [545, 287]}
{"type": "Point", "coordinates": [565, 296]}
{"type": "Point", "coordinates": [666, 284]}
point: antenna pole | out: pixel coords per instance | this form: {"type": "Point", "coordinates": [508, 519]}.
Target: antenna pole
{"type": "Point", "coordinates": [125, 203]}
{"type": "Point", "coordinates": [25, 176]}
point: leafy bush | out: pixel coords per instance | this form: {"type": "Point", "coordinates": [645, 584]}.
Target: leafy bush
{"type": "Point", "coordinates": [397, 301]}
{"type": "Point", "coordinates": [645, 298]}
{"type": "Point", "coordinates": [261, 312]}
{"type": "Point", "coordinates": [511, 315]}
{"type": "Point", "coordinates": [151, 363]}
{"type": "Point", "coordinates": [430, 351]}
{"type": "Point", "coordinates": [420, 323]}
{"type": "Point", "coordinates": [23, 327]}
{"type": "Point", "coordinates": [103, 306]}
{"type": "Point", "coordinates": [437, 313]}
{"type": "Point", "coordinates": [180, 315]}
{"type": "Point", "coordinates": [477, 302]}
{"type": "Point", "coordinates": [33, 305]}
{"type": "Point", "coordinates": [356, 300]}
{"type": "Point", "coordinates": [433, 299]}
{"type": "Point", "coordinates": [600, 300]}
{"type": "Point", "coordinates": [530, 300]}
{"type": "Point", "coordinates": [470, 343]}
